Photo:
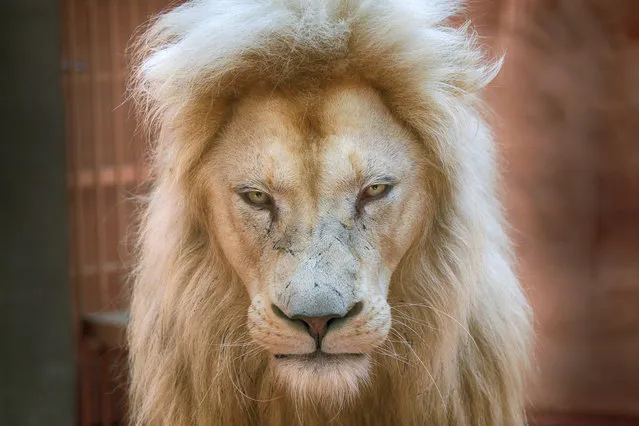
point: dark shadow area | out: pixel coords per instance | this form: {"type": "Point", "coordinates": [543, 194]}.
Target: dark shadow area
{"type": "Point", "coordinates": [36, 348]}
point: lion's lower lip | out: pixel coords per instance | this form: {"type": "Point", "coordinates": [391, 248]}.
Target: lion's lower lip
{"type": "Point", "coordinates": [318, 356]}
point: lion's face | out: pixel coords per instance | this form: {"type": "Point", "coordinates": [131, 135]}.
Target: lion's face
{"type": "Point", "coordinates": [315, 199]}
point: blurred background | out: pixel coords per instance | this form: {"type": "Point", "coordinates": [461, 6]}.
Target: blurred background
{"type": "Point", "coordinates": [566, 117]}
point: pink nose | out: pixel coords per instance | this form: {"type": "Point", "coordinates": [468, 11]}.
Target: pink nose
{"type": "Point", "coordinates": [316, 325]}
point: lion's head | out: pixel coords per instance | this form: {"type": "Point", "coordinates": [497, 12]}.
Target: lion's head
{"type": "Point", "coordinates": [314, 212]}
{"type": "Point", "coordinates": [323, 230]}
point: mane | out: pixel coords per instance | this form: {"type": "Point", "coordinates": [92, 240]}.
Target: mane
{"type": "Point", "coordinates": [457, 350]}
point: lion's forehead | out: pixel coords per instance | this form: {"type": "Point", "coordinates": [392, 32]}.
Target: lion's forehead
{"type": "Point", "coordinates": [315, 147]}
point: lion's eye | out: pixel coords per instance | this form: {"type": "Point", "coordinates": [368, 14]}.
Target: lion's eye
{"type": "Point", "coordinates": [376, 190]}
{"type": "Point", "coordinates": [257, 198]}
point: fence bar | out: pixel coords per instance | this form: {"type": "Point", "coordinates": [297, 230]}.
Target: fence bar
{"type": "Point", "coordinates": [118, 125]}
{"type": "Point", "coordinates": [98, 138]}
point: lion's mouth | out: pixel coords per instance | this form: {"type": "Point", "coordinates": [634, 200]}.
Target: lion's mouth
{"type": "Point", "coordinates": [319, 356]}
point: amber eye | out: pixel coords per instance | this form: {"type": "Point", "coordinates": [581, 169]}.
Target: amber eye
{"type": "Point", "coordinates": [375, 191]}
{"type": "Point", "coordinates": [257, 198]}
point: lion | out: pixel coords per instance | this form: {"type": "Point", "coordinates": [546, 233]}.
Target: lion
{"type": "Point", "coordinates": [323, 241]}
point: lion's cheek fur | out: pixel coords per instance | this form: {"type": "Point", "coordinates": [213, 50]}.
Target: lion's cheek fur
{"type": "Point", "coordinates": [265, 329]}
{"type": "Point", "coordinates": [367, 331]}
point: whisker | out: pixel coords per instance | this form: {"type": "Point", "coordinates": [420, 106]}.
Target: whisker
{"type": "Point", "coordinates": [392, 356]}
{"type": "Point", "coordinates": [408, 327]}
{"type": "Point", "coordinates": [439, 311]}
{"type": "Point", "coordinates": [237, 388]}
{"type": "Point", "coordinates": [404, 315]}
{"type": "Point", "coordinates": [425, 368]}
{"type": "Point", "coordinates": [249, 353]}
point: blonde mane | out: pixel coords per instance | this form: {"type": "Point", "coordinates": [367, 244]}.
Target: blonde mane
{"type": "Point", "coordinates": [457, 351]}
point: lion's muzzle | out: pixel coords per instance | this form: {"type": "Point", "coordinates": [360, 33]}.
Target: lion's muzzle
{"type": "Point", "coordinates": [322, 299]}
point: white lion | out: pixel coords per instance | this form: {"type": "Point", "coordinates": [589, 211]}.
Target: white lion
{"type": "Point", "coordinates": [323, 242]}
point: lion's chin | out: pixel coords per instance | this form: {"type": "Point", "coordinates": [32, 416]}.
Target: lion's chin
{"type": "Point", "coordinates": [323, 378]}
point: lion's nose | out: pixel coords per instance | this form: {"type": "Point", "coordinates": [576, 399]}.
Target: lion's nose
{"type": "Point", "coordinates": [317, 327]}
